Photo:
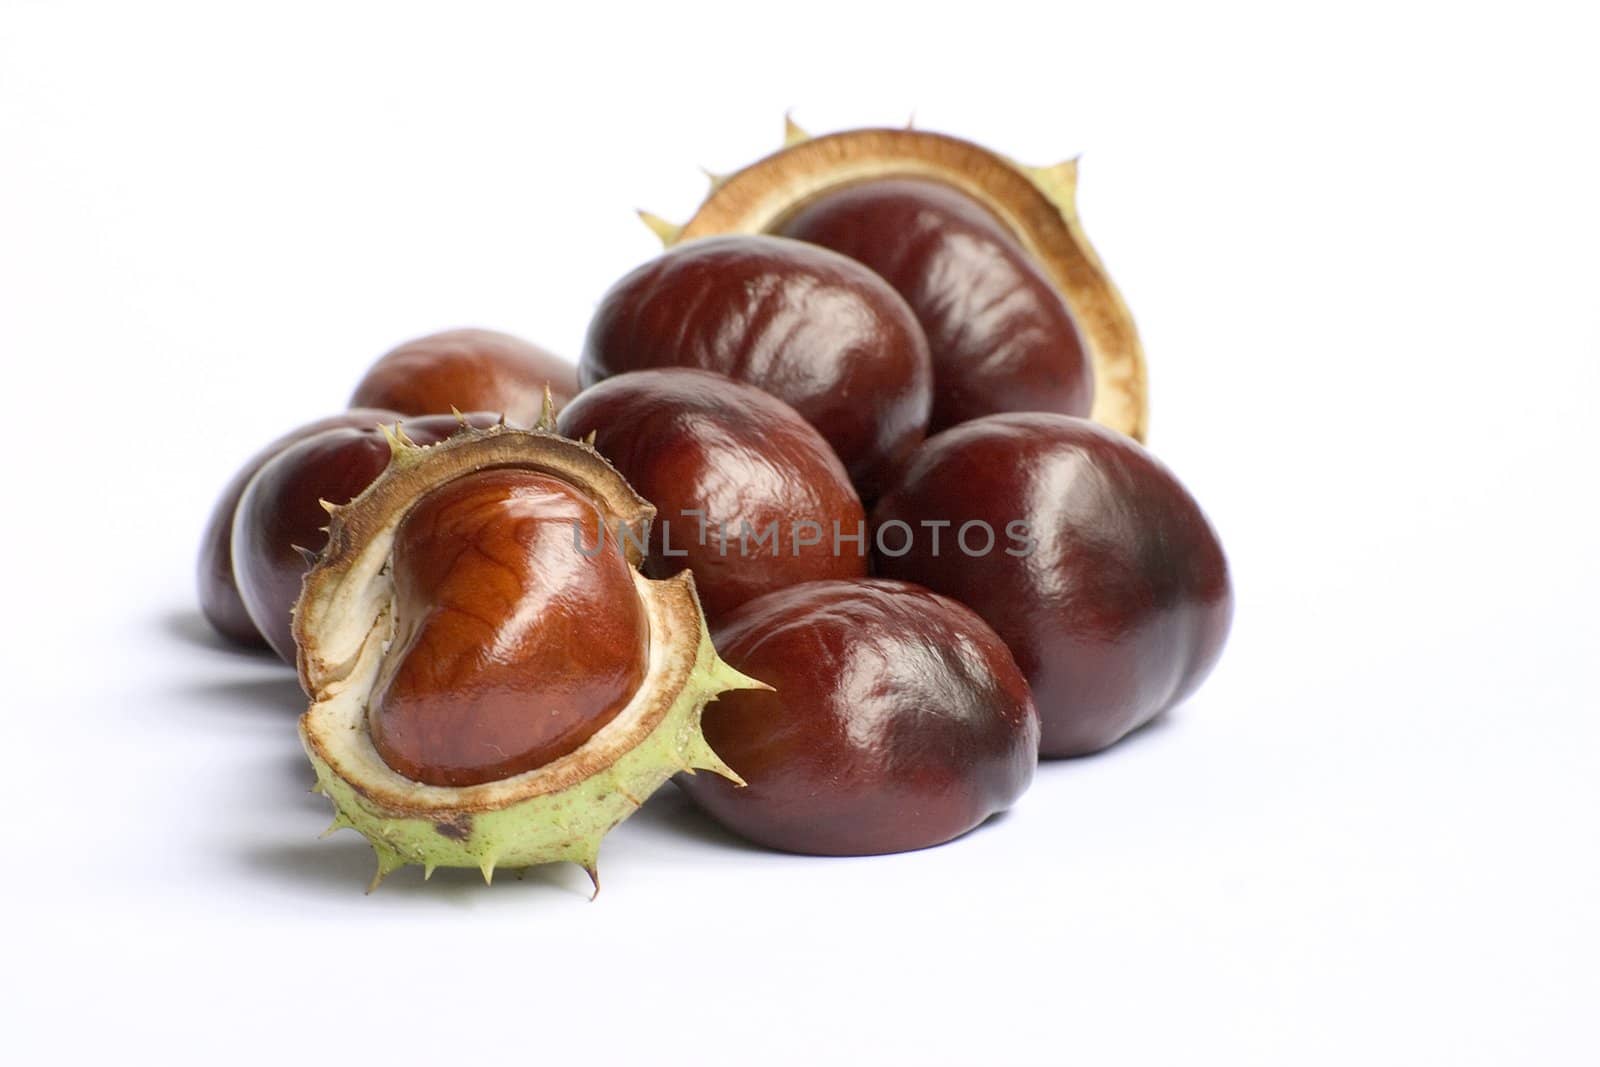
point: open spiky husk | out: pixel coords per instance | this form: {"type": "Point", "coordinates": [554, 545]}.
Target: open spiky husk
{"type": "Point", "coordinates": [343, 624]}
{"type": "Point", "coordinates": [1037, 204]}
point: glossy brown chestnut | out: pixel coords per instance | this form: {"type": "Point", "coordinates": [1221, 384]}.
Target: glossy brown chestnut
{"type": "Point", "coordinates": [1000, 334]}
{"type": "Point", "coordinates": [279, 513]}
{"type": "Point", "coordinates": [1116, 601]}
{"type": "Point", "coordinates": [899, 720]}
{"type": "Point", "coordinates": [219, 594]}
{"type": "Point", "coordinates": [514, 644]}
{"type": "Point", "coordinates": [748, 495]}
{"type": "Point", "coordinates": [812, 327]}
{"type": "Point", "coordinates": [468, 370]}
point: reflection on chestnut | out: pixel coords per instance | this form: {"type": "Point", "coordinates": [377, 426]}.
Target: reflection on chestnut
{"type": "Point", "coordinates": [899, 720]}
{"type": "Point", "coordinates": [219, 593]}
{"type": "Point", "coordinates": [813, 328]}
{"type": "Point", "coordinates": [468, 370]}
{"type": "Point", "coordinates": [1118, 606]}
{"type": "Point", "coordinates": [279, 514]}
{"type": "Point", "coordinates": [1000, 334]}
{"type": "Point", "coordinates": [748, 496]}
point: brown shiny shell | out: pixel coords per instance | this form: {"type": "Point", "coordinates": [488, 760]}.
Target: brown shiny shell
{"type": "Point", "coordinates": [220, 602]}
{"type": "Point", "coordinates": [1102, 573]}
{"type": "Point", "coordinates": [467, 370]}
{"type": "Point", "coordinates": [898, 720]}
{"type": "Point", "coordinates": [1037, 204]}
{"type": "Point", "coordinates": [725, 464]}
{"type": "Point", "coordinates": [1000, 336]}
{"type": "Point", "coordinates": [518, 630]}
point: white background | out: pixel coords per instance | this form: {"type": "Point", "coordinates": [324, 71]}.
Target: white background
{"type": "Point", "coordinates": [1360, 244]}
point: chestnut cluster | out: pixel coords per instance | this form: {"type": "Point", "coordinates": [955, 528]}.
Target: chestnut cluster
{"type": "Point", "coordinates": [865, 431]}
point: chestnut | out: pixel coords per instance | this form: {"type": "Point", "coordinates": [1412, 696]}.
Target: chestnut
{"type": "Point", "coordinates": [518, 631]}
{"type": "Point", "coordinates": [812, 327]}
{"type": "Point", "coordinates": [490, 685]}
{"type": "Point", "coordinates": [1083, 552]}
{"type": "Point", "coordinates": [748, 495]}
{"type": "Point", "coordinates": [1000, 334]}
{"type": "Point", "coordinates": [467, 370]}
{"type": "Point", "coordinates": [281, 515]}
{"type": "Point", "coordinates": [898, 720]}
{"type": "Point", "coordinates": [219, 593]}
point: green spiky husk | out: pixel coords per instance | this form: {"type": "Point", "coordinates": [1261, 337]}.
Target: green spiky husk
{"type": "Point", "coordinates": [344, 623]}
{"type": "Point", "coordinates": [562, 826]}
